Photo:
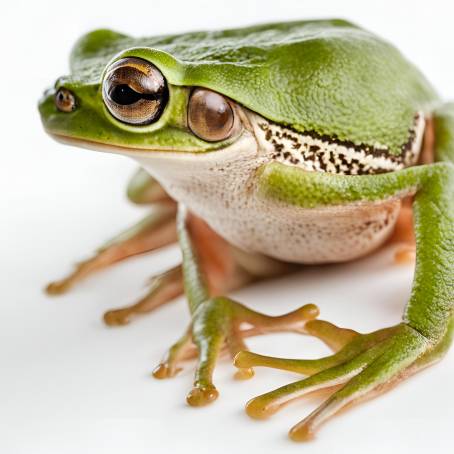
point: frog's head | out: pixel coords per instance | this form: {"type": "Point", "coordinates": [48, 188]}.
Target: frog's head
{"type": "Point", "coordinates": [135, 102]}
{"type": "Point", "coordinates": [197, 92]}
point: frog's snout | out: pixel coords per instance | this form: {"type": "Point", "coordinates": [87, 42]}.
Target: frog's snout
{"type": "Point", "coordinates": [64, 100]}
{"type": "Point", "coordinates": [54, 106]}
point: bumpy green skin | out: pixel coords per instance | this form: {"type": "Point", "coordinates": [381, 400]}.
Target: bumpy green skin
{"type": "Point", "coordinates": [326, 76]}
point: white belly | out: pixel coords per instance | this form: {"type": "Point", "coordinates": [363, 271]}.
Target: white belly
{"type": "Point", "coordinates": [334, 234]}
{"type": "Point", "coordinates": [218, 187]}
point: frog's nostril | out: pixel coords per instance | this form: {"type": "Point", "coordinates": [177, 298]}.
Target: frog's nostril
{"type": "Point", "coordinates": [65, 100]}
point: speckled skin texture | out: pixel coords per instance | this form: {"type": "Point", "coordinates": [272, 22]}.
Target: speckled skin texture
{"type": "Point", "coordinates": [218, 187]}
{"type": "Point", "coordinates": [316, 153]}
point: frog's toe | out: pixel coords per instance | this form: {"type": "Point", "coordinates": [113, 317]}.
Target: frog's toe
{"type": "Point", "coordinates": [117, 317]}
{"type": "Point", "coordinates": [246, 359]}
{"type": "Point", "coordinates": [244, 373]}
{"type": "Point", "coordinates": [201, 395]}
{"type": "Point", "coordinates": [164, 287]}
{"type": "Point", "coordinates": [152, 232]}
{"type": "Point", "coordinates": [267, 404]}
{"type": "Point", "coordinates": [58, 287]}
{"type": "Point", "coordinates": [165, 370]}
{"type": "Point", "coordinates": [363, 368]}
{"type": "Point", "coordinates": [180, 350]}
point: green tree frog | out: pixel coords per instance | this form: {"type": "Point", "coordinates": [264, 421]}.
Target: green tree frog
{"type": "Point", "coordinates": [262, 149]}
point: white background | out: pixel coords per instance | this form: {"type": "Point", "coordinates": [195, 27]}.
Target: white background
{"type": "Point", "coordinates": [69, 384]}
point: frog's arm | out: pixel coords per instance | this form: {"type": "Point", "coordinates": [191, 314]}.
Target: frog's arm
{"type": "Point", "coordinates": [370, 363]}
{"type": "Point", "coordinates": [211, 268]}
{"type": "Point", "coordinates": [156, 230]}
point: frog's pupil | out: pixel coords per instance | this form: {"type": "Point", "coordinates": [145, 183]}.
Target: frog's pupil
{"type": "Point", "coordinates": [123, 94]}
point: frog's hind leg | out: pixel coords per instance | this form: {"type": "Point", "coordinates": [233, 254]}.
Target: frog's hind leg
{"type": "Point", "coordinates": [154, 231]}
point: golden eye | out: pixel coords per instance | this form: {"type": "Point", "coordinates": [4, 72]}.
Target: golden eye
{"type": "Point", "coordinates": [210, 115]}
{"type": "Point", "coordinates": [64, 100]}
{"type": "Point", "coordinates": [135, 91]}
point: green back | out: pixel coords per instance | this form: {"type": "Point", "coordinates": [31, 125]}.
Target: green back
{"type": "Point", "coordinates": [326, 76]}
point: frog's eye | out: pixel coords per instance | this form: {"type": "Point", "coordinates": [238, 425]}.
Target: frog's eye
{"type": "Point", "coordinates": [210, 115]}
{"type": "Point", "coordinates": [134, 91]}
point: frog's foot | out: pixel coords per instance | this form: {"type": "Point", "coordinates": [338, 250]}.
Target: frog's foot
{"type": "Point", "coordinates": [163, 288]}
{"type": "Point", "coordinates": [221, 324]}
{"type": "Point", "coordinates": [155, 231]}
{"type": "Point", "coordinates": [365, 366]}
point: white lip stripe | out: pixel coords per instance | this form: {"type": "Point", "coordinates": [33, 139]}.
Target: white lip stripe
{"type": "Point", "coordinates": [324, 155]}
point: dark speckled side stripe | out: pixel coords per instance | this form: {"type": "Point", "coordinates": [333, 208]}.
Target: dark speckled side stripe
{"type": "Point", "coordinates": [315, 152]}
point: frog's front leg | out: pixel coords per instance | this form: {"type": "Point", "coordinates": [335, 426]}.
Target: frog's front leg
{"type": "Point", "coordinates": [209, 271]}
{"type": "Point", "coordinates": [371, 363]}
{"type": "Point", "coordinates": [154, 231]}
{"type": "Point", "coordinates": [164, 287]}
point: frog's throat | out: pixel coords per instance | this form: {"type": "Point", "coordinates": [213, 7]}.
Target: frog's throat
{"type": "Point", "coordinates": [321, 153]}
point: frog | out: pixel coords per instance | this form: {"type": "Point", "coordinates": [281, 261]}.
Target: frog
{"type": "Point", "coordinates": [263, 150]}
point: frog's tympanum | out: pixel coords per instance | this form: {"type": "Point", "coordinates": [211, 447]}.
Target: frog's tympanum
{"type": "Point", "coordinates": [261, 149]}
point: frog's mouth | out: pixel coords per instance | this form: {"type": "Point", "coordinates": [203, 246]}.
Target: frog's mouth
{"type": "Point", "coordinates": [234, 150]}
{"type": "Point", "coordinates": [116, 149]}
